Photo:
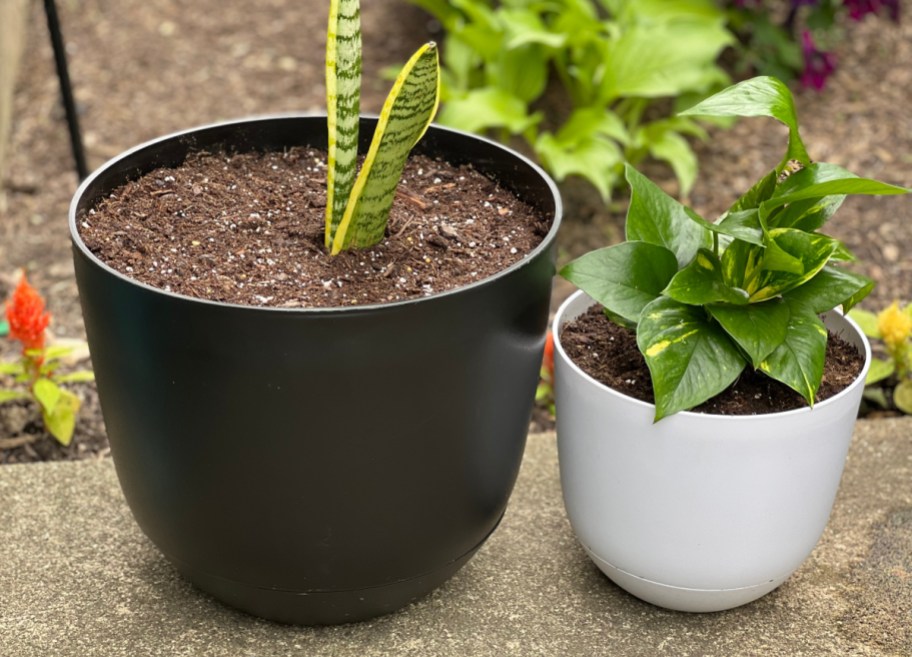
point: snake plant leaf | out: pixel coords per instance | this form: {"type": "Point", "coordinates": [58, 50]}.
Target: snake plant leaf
{"type": "Point", "coordinates": [758, 328]}
{"type": "Point", "coordinates": [701, 283]}
{"type": "Point", "coordinates": [655, 217]}
{"type": "Point", "coordinates": [343, 100]}
{"type": "Point", "coordinates": [690, 357]}
{"type": "Point", "coordinates": [759, 96]}
{"type": "Point", "coordinates": [404, 119]}
{"type": "Point", "coordinates": [798, 361]}
{"type": "Point", "coordinates": [625, 277]}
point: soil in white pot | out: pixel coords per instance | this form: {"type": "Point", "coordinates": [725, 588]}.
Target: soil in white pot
{"type": "Point", "coordinates": [248, 228]}
{"type": "Point", "coordinates": [609, 354]}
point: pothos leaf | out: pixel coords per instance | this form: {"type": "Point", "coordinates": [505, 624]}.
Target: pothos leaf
{"type": "Point", "coordinates": [758, 328]}
{"type": "Point", "coordinates": [798, 361]}
{"type": "Point", "coordinates": [831, 287]}
{"type": "Point", "coordinates": [343, 99]}
{"type": "Point", "coordinates": [701, 283]}
{"type": "Point", "coordinates": [624, 277]}
{"type": "Point", "coordinates": [690, 357]}
{"type": "Point", "coordinates": [655, 217]}
{"type": "Point", "coordinates": [405, 117]}
{"type": "Point", "coordinates": [759, 96]}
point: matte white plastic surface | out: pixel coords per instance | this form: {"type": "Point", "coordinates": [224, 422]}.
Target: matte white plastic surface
{"type": "Point", "coordinates": [697, 512]}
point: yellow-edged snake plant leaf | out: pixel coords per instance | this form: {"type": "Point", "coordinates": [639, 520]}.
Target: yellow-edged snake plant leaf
{"type": "Point", "coordinates": [405, 117]}
{"type": "Point", "coordinates": [343, 99]}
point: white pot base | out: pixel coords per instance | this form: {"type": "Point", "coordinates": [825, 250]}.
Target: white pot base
{"type": "Point", "coordinates": [683, 599]}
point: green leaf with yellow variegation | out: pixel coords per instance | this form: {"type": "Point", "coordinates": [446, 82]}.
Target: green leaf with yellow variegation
{"type": "Point", "coordinates": [701, 283]}
{"type": "Point", "coordinates": [405, 117]}
{"type": "Point", "coordinates": [809, 253]}
{"type": "Point", "coordinates": [758, 328]}
{"type": "Point", "coordinates": [343, 100]}
{"type": "Point", "coordinates": [690, 358]}
{"type": "Point", "coordinates": [798, 361]}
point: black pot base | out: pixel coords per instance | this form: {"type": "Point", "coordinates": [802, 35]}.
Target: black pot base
{"type": "Point", "coordinates": [325, 607]}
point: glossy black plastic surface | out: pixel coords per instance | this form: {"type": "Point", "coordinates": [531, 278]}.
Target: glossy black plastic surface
{"type": "Point", "coordinates": [317, 466]}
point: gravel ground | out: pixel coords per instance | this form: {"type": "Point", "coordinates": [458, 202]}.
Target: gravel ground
{"type": "Point", "coordinates": [142, 68]}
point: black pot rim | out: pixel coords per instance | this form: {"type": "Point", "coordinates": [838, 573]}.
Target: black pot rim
{"type": "Point", "coordinates": [544, 245]}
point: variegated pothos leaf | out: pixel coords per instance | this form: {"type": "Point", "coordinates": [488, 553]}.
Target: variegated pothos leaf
{"type": "Point", "coordinates": [343, 99]}
{"type": "Point", "coordinates": [404, 119]}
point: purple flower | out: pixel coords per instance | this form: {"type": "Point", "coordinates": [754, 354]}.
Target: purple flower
{"type": "Point", "coordinates": [858, 9]}
{"type": "Point", "coordinates": [818, 64]}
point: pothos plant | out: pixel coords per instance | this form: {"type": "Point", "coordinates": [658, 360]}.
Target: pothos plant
{"type": "Point", "coordinates": [708, 299]}
{"type": "Point", "coordinates": [358, 203]}
{"type": "Point", "coordinates": [35, 374]}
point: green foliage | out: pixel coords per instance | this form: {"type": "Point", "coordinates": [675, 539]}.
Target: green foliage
{"type": "Point", "coordinates": [36, 378]}
{"type": "Point", "coordinates": [612, 59]}
{"type": "Point", "coordinates": [357, 209]}
{"type": "Point", "coordinates": [891, 377]}
{"type": "Point", "coordinates": [708, 299]}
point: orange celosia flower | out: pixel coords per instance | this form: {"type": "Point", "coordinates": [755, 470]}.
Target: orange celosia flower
{"type": "Point", "coordinates": [548, 360]}
{"type": "Point", "coordinates": [26, 316]}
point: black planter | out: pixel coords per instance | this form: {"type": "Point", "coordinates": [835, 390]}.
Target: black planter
{"type": "Point", "coordinates": [324, 465]}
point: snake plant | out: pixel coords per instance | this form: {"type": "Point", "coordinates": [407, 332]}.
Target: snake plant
{"type": "Point", "coordinates": [358, 206]}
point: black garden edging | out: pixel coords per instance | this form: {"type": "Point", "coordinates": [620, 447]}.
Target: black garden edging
{"type": "Point", "coordinates": [325, 465]}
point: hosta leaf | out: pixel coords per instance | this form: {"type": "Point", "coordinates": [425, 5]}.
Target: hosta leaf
{"type": "Point", "coordinates": [522, 71]}
{"type": "Point", "coordinates": [597, 159]}
{"type": "Point", "coordinates": [482, 109]}
{"type": "Point", "coordinates": [589, 122]}
{"type": "Point", "coordinates": [701, 283]}
{"type": "Point", "coordinates": [676, 151]}
{"type": "Point", "coordinates": [879, 370]}
{"type": "Point", "coordinates": [831, 287]}
{"type": "Point", "coordinates": [343, 99]}
{"type": "Point", "coordinates": [759, 96]}
{"type": "Point", "coordinates": [47, 393]}
{"type": "Point", "coordinates": [690, 358]}
{"type": "Point", "coordinates": [624, 277]}
{"type": "Point", "coordinates": [902, 397]}
{"type": "Point", "coordinates": [655, 217]}
{"type": "Point", "coordinates": [663, 57]}
{"type": "Point", "coordinates": [62, 420]}
{"type": "Point", "coordinates": [405, 117]}
{"type": "Point", "coordinates": [758, 328]}
{"type": "Point", "coordinates": [798, 361]}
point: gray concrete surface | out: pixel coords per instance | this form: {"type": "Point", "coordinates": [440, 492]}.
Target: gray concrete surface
{"type": "Point", "coordinates": [78, 579]}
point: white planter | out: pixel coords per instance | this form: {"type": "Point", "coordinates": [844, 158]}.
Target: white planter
{"type": "Point", "coordinates": [697, 512]}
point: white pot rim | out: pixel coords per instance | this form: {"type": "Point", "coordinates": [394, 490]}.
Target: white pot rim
{"type": "Point", "coordinates": [575, 298]}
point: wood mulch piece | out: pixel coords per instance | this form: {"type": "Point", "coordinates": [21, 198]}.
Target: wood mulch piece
{"type": "Point", "coordinates": [608, 353]}
{"type": "Point", "coordinates": [248, 228]}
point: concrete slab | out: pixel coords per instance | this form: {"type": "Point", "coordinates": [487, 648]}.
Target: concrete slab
{"type": "Point", "coordinates": [77, 578]}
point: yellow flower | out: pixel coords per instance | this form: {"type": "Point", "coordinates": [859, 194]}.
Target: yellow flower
{"type": "Point", "coordinates": [895, 326]}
